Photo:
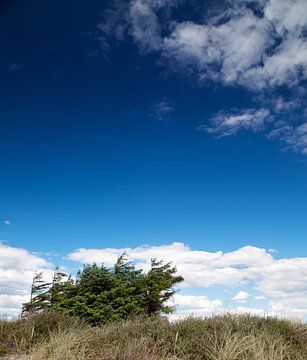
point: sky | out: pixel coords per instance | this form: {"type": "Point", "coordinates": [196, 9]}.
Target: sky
{"type": "Point", "coordinates": [164, 128]}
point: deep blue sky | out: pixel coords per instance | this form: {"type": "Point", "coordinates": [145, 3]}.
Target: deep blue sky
{"type": "Point", "coordinates": [84, 163]}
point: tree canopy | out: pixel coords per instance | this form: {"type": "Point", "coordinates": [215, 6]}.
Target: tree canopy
{"type": "Point", "coordinates": [100, 294]}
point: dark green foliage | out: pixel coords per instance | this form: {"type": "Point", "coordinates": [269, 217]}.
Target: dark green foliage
{"type": "Point", "coordinates": [159, 284]}
{"type": "Point", "coordinates": [100, 294]}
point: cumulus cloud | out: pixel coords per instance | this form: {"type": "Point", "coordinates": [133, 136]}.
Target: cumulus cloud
{"type": "Point", "coordinates": [10, 305]}
{"type": "Point", "coordinates": [202, 306]}
{"type": "Point", "coordinates": [241, 296]}
{"type": "Point", "coordinates": [192, 305]}
{"type": "Point", "coordinates": [260, 48]}
{"type": "Point", "coordinates": [17, 267]}
{"type": "Point", "coordinates": [253, 271]}
{"type": "Point", "coordinates": [220, 51]}
{"type": "Point", "coordinates": [281, 281]}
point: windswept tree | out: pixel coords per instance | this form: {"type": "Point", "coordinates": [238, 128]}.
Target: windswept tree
{"type": "Point", "coordinates": [38, 296]}
{"type": "Point", "coordinates": [159, 284]}
{"type": "Point", "coordinates": [100, 294]}
{"type": "Point", "coordinates": [45, 295]}
{"type": "Point", "coordinates": [60, 286]}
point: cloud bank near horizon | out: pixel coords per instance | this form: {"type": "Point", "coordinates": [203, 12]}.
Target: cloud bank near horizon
{"type": "Point", "coordinates": [17, 267]}
{"type": "Point", "coordinates": [249, 279]}
{"type": "Point", "coordinates": [253, 272]}
{"type": "Point", "coordinates": [258, 45]}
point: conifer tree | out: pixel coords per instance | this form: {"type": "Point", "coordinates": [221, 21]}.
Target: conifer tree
{"type": "Point", "coordinates": [39, 296]}
{"type": "Point", "coordinates": [159, 284]}
{"type": "Point", "coordinates": [100, 294]}
{"type": "Point", "coordinates": [58, 287]}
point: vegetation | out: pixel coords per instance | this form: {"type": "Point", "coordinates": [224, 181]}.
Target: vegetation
{"type": "Point", "coordinates": [114, 314]}
{"type": "Point", "coordinates": [101, 295]}
{"type": "Point", "coordinates": [54, 336]}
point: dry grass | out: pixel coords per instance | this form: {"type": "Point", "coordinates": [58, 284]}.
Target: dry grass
{"type": "Point", "coordinates": [54, 337]}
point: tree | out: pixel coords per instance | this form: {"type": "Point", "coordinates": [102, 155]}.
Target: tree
{"type": "Point", "coordinates": [159, 284]}
{"type": "Point", "coordinates": [46, 295]}
{"type": "Point", "coordinates": [94, 279]}
{"type": "Point", "coordinates": [38, 298]}
{"type": "Point", "coordinates": [100, 294]}
{"type": "Point", "coordinates": [59, 287]}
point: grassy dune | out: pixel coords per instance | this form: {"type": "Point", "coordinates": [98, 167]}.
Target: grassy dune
{"type": "Point", "coordinates": [55, 337]}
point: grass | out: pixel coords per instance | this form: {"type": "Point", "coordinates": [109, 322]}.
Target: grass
{"type": "Point", "coordinates": [56, 337]}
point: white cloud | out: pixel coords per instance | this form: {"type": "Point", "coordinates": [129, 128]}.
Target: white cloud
{"type": "Point", "coordinates": [202, 306]}
{"type": "Point", "coordinates": [260, 50]}
{"type": "Point", "coordinates": [287, 15]}
{"type": "Point", "coordinates": [191, 305]}
{"type": "Point", "coordinates": [144, 24]}
{"type": "Point", "coordinates": [199, 268]}
{"type": "Point", "coordinates": [283, 281]}
{"type": "Point", "coordinates": [7, 222]}
{"type": "Point", "coordinates": [238, 46]}
{"type": "Point", "coordinates": [249, 310]}
{"type": "Point", "coordinates": [295, 136]}
{"type": "Point", "coordinates": [10, 305]}
{"type": "Point", "coordinates": [17, 267]}
{"type": "Point", "coordinates": [220, 51]}
{"type": "Point", "coordinates": [241, 296]}
{"type": "Point", "coordinates": [280, 283]}
{"type": "Point", "coordinates": [227, 123]}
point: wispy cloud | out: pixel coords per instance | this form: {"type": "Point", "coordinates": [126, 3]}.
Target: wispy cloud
{"type": "Point", "coordinates": [294, 136]}
{"type": "Point", "coordinates": [162, 110]}
{"type": "Point", "coordinates": [259, 45]}
{"type": "Point", "coordinates": [227, 123]}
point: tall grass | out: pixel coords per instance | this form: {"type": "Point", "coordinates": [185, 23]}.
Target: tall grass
{"type": "Point", "coordinates": [55, 337]}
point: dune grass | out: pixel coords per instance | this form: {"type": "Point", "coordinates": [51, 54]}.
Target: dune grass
{"type": "Point", "coordinates": [55, 337]}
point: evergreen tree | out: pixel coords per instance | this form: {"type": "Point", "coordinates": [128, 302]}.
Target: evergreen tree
{"type": "Point", "coordinates": [101, 294]}
{"type": "Point", "coordinates": [159, 284]}
{"type": "Point", "coordinates": [58, 288]}
{"type": "Point", "coordinates": [39, 296]}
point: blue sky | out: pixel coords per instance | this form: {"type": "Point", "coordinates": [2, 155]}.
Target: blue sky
{"type": "Point", "coordinates": [132, 123]}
